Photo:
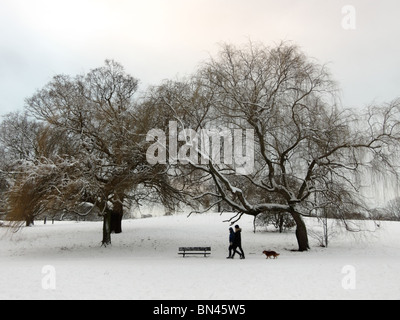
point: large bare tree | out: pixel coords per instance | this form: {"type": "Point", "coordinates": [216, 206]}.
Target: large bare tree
{"type": "Point", "coordinates": [105, 159]}
{"type": "Point", "coordinates": [308, 150]}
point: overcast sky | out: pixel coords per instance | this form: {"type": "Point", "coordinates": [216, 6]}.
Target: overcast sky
{"type": "Point", "coordinates": [165, 39]}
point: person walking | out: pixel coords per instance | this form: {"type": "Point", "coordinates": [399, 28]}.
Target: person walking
{"type": "Point", "coordinates": [231, 241]}
{"type": "Point", "coordinates": [237, 243]}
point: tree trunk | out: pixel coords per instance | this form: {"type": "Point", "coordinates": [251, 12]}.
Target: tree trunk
{"type": "Point", "coordinates": [301, 232]}
{"type": "Point", "coordinates": [30, 221]}
{"type": "Point", "coordinates": [116, 217]}
{"type": "Point", "coordinates": [116, 222]}
{"type": "Point", "coordinates": [107, 229]}
{"type": "Point", "coordinates": [281, 221]}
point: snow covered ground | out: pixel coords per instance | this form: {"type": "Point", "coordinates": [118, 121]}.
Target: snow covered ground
{"type": "Point", "coordinates": [65, 261]}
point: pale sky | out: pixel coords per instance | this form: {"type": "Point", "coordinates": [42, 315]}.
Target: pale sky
{"type": "Point", "coordinates": [166, 39]}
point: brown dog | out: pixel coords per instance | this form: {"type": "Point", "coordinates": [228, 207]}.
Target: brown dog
{"type": "Point", "coordinates": [270, 254]}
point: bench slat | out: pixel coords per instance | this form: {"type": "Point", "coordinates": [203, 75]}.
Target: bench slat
{"type": "Point", "coordinates": [202, 253]}
{"type": "Point", "coordinates": [195, 249]}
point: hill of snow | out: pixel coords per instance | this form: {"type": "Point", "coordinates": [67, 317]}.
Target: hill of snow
{"type": "Point", "coordinates": [65, 261]}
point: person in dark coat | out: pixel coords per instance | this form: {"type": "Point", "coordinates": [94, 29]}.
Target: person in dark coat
{"type": "Point", "coordinates": [237, 243]}
{"type": "Point", "coordinates": [231, 241]}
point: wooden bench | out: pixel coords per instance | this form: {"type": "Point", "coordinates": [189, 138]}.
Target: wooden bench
{"type": "Point", "coordinates": [195, 250]}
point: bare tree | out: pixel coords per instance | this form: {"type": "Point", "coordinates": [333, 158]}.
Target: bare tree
{"type": "Point", "coordinates": [104, 146]}
{"type": "Point", "coordinates": [19, 136]}
{"type": "Point", "coordinates": [44, 186]}
{"type": "Point", "coordinates": [309, 151]}
{"type": "Point", "coordinates": [18, 142]}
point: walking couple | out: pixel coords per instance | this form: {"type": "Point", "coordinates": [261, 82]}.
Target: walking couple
{"type": "Point", "coordinates": [235, 242]}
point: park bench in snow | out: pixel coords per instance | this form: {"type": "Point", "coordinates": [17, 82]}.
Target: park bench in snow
{"type": "Point", "coordinates": [195, 250]}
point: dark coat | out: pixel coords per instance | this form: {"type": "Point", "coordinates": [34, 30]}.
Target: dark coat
{"type": "Point", "coordinates": [238, 238]}
{"type": "Point", "coordinates": [231, 236]}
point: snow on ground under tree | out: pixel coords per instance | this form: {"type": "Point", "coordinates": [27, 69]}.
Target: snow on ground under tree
{"type": "Point", "coordinates": [143, 262]}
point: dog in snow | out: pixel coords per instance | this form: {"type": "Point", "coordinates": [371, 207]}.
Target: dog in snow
{"type": "Point", "coordinates": [271, 254]}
